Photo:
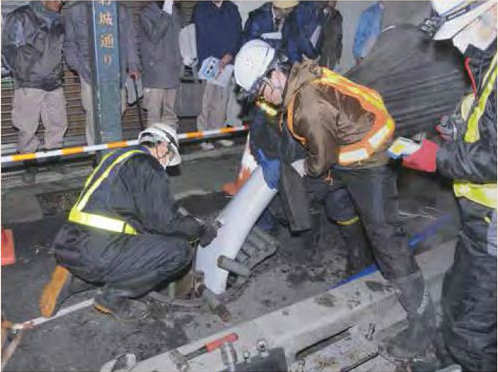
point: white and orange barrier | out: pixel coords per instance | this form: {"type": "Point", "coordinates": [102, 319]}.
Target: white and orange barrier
{"type": "Point", "coordinates": [114, 145]}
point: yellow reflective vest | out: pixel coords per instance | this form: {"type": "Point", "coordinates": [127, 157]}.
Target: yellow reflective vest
{"type": "Point", "coordinates": [483, 193]}
{"type": "Point", "coordinates": [98, 176]}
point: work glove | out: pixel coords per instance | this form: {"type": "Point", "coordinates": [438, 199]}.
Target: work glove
{"type": "Point", "coordinates": [209, 231]}
{"type": "Point", "coordinates": [271, 169]}
{"type": "Point", "coordinates": [450, 127]}
{"type": "Point", "coordinates": [424, 159]}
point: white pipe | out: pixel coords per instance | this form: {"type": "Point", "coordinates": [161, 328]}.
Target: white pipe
{"type": "Point", "coordinates": [237, 219]}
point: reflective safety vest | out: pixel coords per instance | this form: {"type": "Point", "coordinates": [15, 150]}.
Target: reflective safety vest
{"type": "Point", "coordinates": [266, 108]}
{"type": "Point", "coordinates": [110, 162]}
{"type": "Point", "coordinates": [480, 193]}
{"type": "Point", "coordinates": [382, 129]}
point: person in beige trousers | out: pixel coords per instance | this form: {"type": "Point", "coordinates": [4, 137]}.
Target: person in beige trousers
{"type": "Point", "coordinates": [158, 31]}
{"type": "Point", "coordinates": [77, 51]}
{"type": "Point", "coordinates": [218, 28]}
{"type": "Point", "coordinates": [32, 50]}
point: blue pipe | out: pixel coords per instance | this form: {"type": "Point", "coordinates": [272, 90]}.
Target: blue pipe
{"type": "Point", "coordinates": [419, 237]}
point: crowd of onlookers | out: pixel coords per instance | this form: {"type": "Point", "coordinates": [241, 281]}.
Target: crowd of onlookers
{"type": "Point", "coordinates": [36, 37]}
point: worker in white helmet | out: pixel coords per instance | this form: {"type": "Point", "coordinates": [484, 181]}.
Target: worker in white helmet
{"type": "Point", "coordinates": [124, 232]}
{"type": "Point", "coordinates": [468, 157]}
{"type": "Point", "coordinates": [345, 130]}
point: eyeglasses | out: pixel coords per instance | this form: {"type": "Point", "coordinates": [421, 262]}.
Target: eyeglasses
{"type": "Point", "coordinates": [265, 83]}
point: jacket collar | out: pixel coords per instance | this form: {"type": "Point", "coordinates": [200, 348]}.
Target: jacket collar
{"type": "Point", "coordinates": [43, 12]}
{"type": "Point", "coordinates": [480, 60]}
{"type": "Point", "coordinates": [300, 74]}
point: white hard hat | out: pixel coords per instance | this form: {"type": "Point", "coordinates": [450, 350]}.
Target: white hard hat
{"type": "Point", "coordinates": [252, 63]}
{"type": "Point", "coordinates": [162, 132]}
{"type": "Point", "coordinates": [457, 14]}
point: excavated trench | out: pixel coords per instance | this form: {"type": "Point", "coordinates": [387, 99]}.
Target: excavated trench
{"type": "Point", "coordinates": [303, 266]}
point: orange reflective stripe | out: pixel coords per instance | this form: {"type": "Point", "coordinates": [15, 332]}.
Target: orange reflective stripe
{"type": "Point", "coordinates": [382, 128]}
{"type": "Point", "coordinates": [290, 122]}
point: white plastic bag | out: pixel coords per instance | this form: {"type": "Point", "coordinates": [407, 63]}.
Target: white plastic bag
{"type": "Point", "coordinates": [188, 46]}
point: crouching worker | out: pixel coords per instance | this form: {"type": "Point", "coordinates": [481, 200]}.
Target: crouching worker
{"type": "Point", "coordinates": [124, 231]}
{"type": "Point", "coordinates": [345, 130]}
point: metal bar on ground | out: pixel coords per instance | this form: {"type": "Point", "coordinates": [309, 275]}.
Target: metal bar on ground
{"type": "Point", "coordinates": [67, 310]}
{"type": "Point", "coordinates": [115, 145]}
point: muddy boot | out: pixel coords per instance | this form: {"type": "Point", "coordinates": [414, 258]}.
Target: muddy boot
{"type": "Point", "coordinates": [116, 297]}
{"type": "Point", "coordinates": [30, 170]}
{"type": "Point", "coordinates": [359, 253]}
{"type": "Point", "coordinates": [418, 339]}
{"type": "Point", "coordinates": [117, 304]}
{"type": "Point", "coordinates": [310, 239]}
{"type": "Point", "coordinates": [61, 286]}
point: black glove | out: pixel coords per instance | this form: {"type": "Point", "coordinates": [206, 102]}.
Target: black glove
{"type": "Point", "coordinates": [209, 231]}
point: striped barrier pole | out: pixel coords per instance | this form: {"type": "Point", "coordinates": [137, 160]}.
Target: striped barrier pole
{"type": "Point", "coordinates": [115, 145]}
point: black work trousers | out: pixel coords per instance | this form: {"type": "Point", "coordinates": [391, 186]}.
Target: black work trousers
{"type": "Point", "coordinates": [131, 264]}
{"type": "Point", "coordinates": [469, 291]}
{"type": "Point", "coordinates": [375, 197]}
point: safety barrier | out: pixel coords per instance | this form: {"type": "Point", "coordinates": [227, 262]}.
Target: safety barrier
{"type": "Point", "coordinates": [114, 145]}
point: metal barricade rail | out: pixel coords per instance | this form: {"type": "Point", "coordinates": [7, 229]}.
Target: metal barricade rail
{"type": "Point", "coordinates": [113, 145]}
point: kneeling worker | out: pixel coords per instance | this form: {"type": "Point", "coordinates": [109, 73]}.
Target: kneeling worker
{"type": "Point", "coordinates": [124, 231]}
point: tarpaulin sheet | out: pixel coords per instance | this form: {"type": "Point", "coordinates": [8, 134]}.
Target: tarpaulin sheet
{"type": "Point", "coordinates": [419, 79]}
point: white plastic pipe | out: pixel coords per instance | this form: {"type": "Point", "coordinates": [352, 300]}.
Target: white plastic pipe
{"type": "Point", "coordinates": [237, 219]}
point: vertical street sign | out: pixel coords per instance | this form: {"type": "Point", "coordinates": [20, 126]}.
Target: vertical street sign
{"type": "Point", "coordinates": [106, 72]}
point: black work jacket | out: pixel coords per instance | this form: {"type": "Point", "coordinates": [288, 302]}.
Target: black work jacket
{"type": "Point", "coordinates": [476, 161]}
{"type": "Point", "coordinates": [138, 192]}
{"type": "Point", "coordinates": [32, 38]}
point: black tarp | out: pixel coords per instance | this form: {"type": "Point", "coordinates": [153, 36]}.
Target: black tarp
{"type": "Point", "coordinates": [420, 80]}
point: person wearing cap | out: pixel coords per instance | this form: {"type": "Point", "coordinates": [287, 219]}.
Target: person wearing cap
{"type": "Point", "coordinates": [124, 232]}
{"type": "Point", "coordinates": [468, 157]}
{"type": "Point", "coordinates": [345, 130]}
{"type": "Point", "coordinates": [267, 22]}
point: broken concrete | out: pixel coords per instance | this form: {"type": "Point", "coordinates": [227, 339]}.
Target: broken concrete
{"type": "Point", "coordinates": [85, 340]}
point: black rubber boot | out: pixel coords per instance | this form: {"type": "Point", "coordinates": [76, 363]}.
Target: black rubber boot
{"type": "Point", "coordinates": [117, 303]}
{"type": "Point", "coordinates": [74, 285]}
{"type": "Point", "coordinates": [310, 239]}
{"type": "Point", "coordinates": [418, 339]}
{"type": "Point", "coordinates": [359, 253]}
{"type": "Point", "coordinates": [116, 297]}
